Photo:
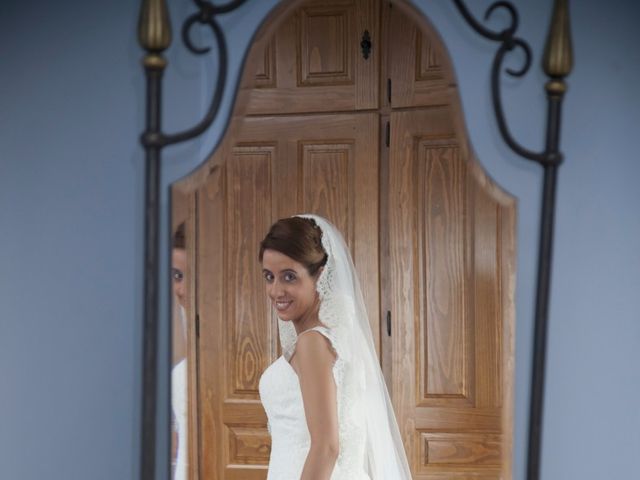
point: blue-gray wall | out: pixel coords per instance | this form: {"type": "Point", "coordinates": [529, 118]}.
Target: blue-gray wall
{"type": "Point", "coordinates": [71, 227]}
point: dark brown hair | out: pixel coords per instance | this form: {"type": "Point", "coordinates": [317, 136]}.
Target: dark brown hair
{"type": "Point", "coordinates": [178, 240]}
{"type": "Point", "coordinates": [298, 238]}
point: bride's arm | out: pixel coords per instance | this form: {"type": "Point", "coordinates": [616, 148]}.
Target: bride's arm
{"type": "Point", "coordinates": [315, 365]}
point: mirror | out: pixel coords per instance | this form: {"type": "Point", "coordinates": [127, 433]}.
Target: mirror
{"type": "Point", "coordinates": [348, 109]}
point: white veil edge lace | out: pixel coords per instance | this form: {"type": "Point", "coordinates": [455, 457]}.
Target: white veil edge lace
{"type": "Point", "coordinates": [343, 311]}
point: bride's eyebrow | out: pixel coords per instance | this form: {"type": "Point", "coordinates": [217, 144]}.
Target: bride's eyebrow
{"type": "Point", "coordinates": [266, 270]}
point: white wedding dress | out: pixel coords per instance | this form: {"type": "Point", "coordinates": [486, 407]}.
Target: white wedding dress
{"type": "Point", "coordinates": [290, 440]}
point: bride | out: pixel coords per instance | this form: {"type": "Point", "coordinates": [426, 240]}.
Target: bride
{"type": "Point", "coordinates": [328, 409]}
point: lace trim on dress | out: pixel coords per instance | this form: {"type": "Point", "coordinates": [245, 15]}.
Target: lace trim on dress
{"type": "Point", "coordinates": [288, 353]}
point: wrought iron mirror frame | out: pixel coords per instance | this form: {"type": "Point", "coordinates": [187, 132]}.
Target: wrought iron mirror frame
{"type": "Point", "coordinates": [154, 35]}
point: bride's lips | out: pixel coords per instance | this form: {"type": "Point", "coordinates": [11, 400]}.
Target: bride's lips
{"type": "Point", "coordinates": [282, 306]}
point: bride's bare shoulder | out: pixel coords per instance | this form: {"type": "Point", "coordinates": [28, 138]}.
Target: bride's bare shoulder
{"type": "Point", "coordinates": [313, 353]}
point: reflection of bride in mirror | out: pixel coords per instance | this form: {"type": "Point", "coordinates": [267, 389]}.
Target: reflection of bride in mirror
{"type": "Point", "coordinates": [329, 412]}
{"type": "Point", "coordinates": [179, 358]}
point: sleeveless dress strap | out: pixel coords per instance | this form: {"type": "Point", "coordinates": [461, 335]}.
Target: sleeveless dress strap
{"type": "Point", "coordinates": [320, 328]}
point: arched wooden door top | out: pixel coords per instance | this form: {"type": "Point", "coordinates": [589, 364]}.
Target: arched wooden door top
{"type": "Point", "coordinates": [425, 68]}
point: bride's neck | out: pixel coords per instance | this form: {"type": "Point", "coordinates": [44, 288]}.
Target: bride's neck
{"type": "Point", "coordinates": [309, 320]}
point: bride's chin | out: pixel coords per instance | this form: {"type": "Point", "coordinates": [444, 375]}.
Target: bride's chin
{"type": "Point", "coordinates": [282, 316]}
{"type": "Point", "coordinates": [286, 317]}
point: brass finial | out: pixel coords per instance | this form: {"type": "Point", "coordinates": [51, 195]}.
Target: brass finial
{"type": "Point", "coordinates": [154, 28]}
{"type": "Point", "coordinates": [558, 53]}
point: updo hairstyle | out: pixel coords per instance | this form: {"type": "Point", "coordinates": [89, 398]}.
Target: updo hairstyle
{"type": "Point", "coordinates": [178, 240]}
{"type": "Point", "coordinates": [299, 238]}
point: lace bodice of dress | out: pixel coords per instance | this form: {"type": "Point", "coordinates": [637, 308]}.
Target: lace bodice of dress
{"type": "Point", "coordinates": [290, 440]}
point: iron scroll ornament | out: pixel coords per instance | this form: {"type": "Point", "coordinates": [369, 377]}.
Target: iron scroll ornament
{"type": "Point", "coordinates": [154, 35]}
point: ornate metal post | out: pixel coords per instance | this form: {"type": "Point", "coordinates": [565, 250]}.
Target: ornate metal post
{"type": "Point", "coordinates": [557, 63]}
{"type": "Point", "coordinates": [154, 35]}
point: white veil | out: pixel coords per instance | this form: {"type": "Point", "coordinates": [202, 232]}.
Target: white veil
{"type": "Point", "coordinates": [342, 310]}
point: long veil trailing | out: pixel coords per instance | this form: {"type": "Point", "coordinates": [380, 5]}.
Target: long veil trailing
{"type": "Point", "coordinates": [370, 419]}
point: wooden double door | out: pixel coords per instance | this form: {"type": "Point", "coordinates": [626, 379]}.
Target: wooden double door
{"type": "Point", "coordinates": [374, 141]}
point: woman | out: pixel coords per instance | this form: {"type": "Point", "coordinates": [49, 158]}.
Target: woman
{"type": "Point", "coordinates": [329, 412]}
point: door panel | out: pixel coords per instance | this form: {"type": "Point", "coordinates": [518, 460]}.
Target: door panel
{"type": "Point", "coordinates": [418, 65]}
{"type": "Point", "coordinates": [315, 61]}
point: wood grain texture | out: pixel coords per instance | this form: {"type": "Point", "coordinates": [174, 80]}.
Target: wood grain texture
{"type": "Point", "coordinates": [211, 308]}
{"type": "Point", "coordinates": [325, 44]}
{"type": "Point", "coordinates": [487, 285]}
{"type": "Point", "coordinates": [420, 70]}
{"type": "Point", "coordinates": [326, 182]}
{"type": "Point", "coordinates": [446, 334]}
{"type": "Point", "coordinates": [248, 217]}
{"type": "Point", "coordinates": [453, 449]}
{"type": "Point", "coordinates": [266, 72]}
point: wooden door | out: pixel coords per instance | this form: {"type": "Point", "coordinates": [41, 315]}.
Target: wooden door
{"type": "Point", "coordinates": [278, 166]}
{"type": "Point", "coordinates": [450, 271]}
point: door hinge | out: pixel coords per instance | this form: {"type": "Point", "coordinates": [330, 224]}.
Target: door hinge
{"type": "Point", "coordinates": [365, 44]}
{"type": "Point", "coordinates": [389, 91]}
{"type": "Point", "coordinates": [389, 323]}
{"type": "Point", "coordinates": [387, 135]}
{"type": "Point", "coordinates": [197, 326]}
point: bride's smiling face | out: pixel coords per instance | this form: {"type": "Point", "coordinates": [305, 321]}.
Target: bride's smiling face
{"type": "Point", "coordinates": [289, 285]}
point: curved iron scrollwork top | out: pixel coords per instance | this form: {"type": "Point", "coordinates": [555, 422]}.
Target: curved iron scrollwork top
{"type": "Point", "coordinates": [508, 42]}
{"type": "Point", "coordinates": [206, 15]}
{"type": "Point", "coordinates": [154, 34]}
